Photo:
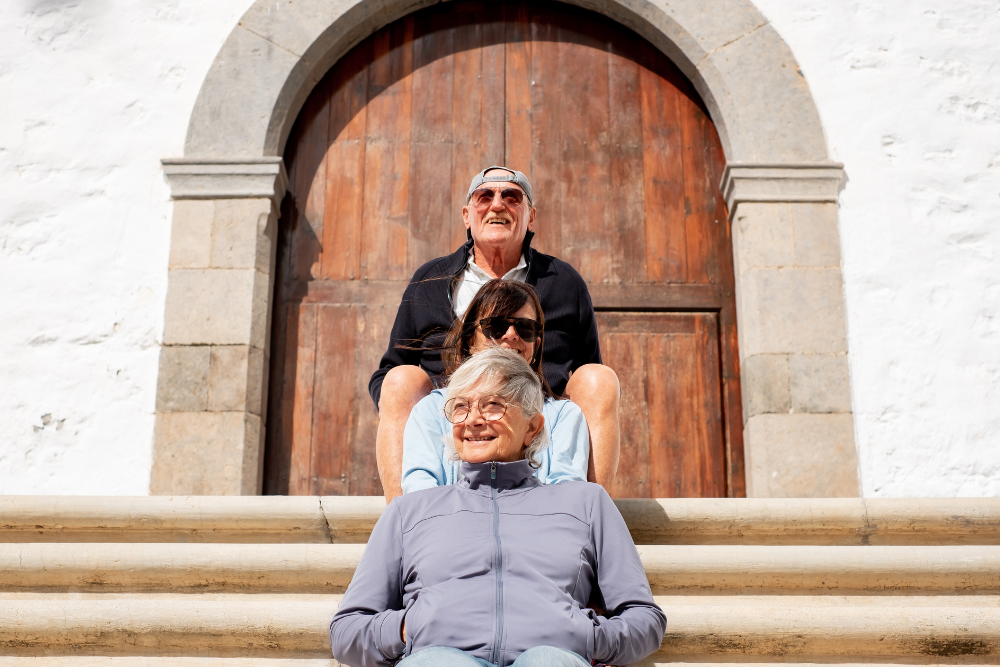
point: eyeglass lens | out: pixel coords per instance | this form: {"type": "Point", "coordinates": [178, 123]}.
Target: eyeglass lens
{"type": "Point", "coordinates": [496, 327]}
{"type": "Point", "coordinates": [483, 197]}
{"type": "Point", "coordinates": [492, 408]}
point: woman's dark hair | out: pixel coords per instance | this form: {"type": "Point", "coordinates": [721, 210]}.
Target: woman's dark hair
{"type": "Point", "coordinates": [497, 298]}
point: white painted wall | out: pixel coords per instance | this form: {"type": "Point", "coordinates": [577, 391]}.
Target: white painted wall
{"type": "Point", "coordinates": [95, 93]}
{"type": "Point", "coordinates": [909, 95]}
{"type": "Point", "coordinates": [92, 94]}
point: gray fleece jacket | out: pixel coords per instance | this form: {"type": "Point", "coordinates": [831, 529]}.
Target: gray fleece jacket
{"type": "Point", "coordinates": [495, 565]}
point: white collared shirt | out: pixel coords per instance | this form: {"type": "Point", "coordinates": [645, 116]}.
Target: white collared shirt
{"type": "Point", "coordinates": [473, 277]}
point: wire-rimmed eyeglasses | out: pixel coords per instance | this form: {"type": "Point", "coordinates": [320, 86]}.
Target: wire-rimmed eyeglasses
{"type": "Point", "coordinates": [458, 409]}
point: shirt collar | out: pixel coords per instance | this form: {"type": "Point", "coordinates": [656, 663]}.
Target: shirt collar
{"type": "Point", "coordinates": [479, 273]}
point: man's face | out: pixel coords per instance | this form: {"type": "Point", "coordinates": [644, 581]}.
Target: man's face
{"type": "Point", "coordinates": [500, 223]}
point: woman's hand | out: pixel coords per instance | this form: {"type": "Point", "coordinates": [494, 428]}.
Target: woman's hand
{"type": "Point", "coordinates": [402, 630]}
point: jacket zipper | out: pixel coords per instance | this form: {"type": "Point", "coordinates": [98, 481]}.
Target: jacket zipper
{"type": "Point", "coordinates": [499, 562]}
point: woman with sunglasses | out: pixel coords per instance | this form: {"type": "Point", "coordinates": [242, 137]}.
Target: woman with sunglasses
{"type": "Point", "coordinates": [504, 313]}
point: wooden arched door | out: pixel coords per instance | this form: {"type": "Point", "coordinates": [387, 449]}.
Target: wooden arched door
{"type": "Point", "coordinates": [625, 165]}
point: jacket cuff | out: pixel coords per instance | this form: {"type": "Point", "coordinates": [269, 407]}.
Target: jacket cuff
{"type": "Point", "coordinates": [602, 645]}
{"type": "Point", "coordinates": [390, 638]}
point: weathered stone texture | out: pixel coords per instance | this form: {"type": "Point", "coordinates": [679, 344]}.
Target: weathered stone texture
{"type": "Point", "coordinates": [802, 456]}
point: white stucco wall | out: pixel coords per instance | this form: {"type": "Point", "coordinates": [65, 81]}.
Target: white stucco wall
{"type": "Point", "coordinates": [909, 95]}
{"type": "Point", "coordinates": [92, 95]}
{"type": "Point", "coordinates": [95, 93]}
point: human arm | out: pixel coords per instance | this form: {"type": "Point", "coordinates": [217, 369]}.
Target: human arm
{"type": "Point", "coordinates": [424, 466]}
{"type": "Point", "coordinates": [634, 626]}
{"type": "Point", "coordinates": [366, 631]}
{"type": "Point", "coordinates": [569, 448]}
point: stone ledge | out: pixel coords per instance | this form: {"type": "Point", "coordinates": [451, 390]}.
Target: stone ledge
{"type": "Point", "coordinates": [350, 519]}
{"type": "Point", "coordinates": [671, 570]}
{"type": "Point", "coordinates": [186, 625]}
{"type": "Point", "coordinates": [781, 183]}
{"type": "Point", "coordinates": [263, 178]}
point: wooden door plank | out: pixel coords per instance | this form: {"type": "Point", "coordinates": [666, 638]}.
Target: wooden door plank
{"type": "Point", "coordinates": [431, 151]}
{"type": "Point", "coordinates": [333, 398]}
{"type": "Point", "coordinates": [300, 381]}
{"type": "Point", "coordinates": [623, 353]}
{"type": "Point", "coordinates": [547, 100]}
{"type": "Point", "coordinates": [374, 322]}
{"type": "Point", "coordinates": [712, 454]}
{"type": "Point", "coordinates": [309, 186]}
{"type": "Point", "coordinates": [627, 181]}
{"type": "Point", "coordinates": [385, 227]}
{"type": "Point", "coordinates": [663, 171]}
{"type": "Point", "coordinates": [517, 88]}
{"type": "Point", "coordinates": [703, 219]}
{"type": "Point", "coordinates": [345, 166]}
{"type": "Point", "coordinates": [586, 155]}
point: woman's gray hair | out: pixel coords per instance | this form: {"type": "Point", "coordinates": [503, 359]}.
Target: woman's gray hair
{"type": "Point", "coordinates": [500, 372]}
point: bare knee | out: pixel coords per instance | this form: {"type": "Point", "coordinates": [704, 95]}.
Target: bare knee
{"type": "Point", "coordinates": [403, 387]}
{"type": "Point", "coordinates": [596, 381]}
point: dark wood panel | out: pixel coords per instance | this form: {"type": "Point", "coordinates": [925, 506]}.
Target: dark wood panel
{"type": "Point", "coordinates": [625, 165]}
{"type": "Point", "coordinates": [673, 442]}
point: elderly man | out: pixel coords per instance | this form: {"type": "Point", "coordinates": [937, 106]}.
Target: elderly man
{"type": "Point", "coordinates": [499, 218]}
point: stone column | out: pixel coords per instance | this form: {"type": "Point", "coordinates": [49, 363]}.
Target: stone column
{"type": "Point", "coordinates": [211, 395]}
{"type": "Point", "coordinates": [798, 422]}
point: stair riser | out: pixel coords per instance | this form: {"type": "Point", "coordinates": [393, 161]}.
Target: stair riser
{"type": "Point", "coordinates": [299, 628]}
{"type": "Point", "coordinates": [305, 568]}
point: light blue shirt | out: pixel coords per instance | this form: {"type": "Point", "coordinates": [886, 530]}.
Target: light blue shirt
{"type": "Point", "coordinates": [424, 459]}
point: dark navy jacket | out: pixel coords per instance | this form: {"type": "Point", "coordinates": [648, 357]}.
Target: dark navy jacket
{"type": "Point", "coordinates": [493, 566]}
{"type": "Point", "coordinates": [426, 313]}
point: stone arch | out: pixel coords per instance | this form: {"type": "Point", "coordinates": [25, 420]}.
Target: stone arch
{"type": "Point", "coordinates": [780, 186]}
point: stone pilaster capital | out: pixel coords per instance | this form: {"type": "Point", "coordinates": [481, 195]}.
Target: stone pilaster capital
{"type": "Point", "coordinates": [781, 183]}
{"type": "Point", "coordinates": [208, 178]}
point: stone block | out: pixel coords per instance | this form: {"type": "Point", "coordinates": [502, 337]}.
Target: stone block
{"type": "Point", "coordinates": [236, 379]}
{"type": "Point", "coordinates": [213, 306]}
{"type": "Point", "coordinates": [252, 479]}
{"type": "Point", "coordinates": [763, 236]}
{"type": "Point", "coordinates": [205, 453]}
{"type": "Point", "coordinates": [764, 383]}
{"type": "Point", "coordinates": [228, 378]}
{"type": "Point", "coordinates": [817, 236]}
{"type": "Point", "coordinates": [191, 234]}
{"type": "Point", "coordinates": [182, 383]}
{"type": "Point", "coordinates": [819, 383]}
{"type": "Point", "coordinates": [236, 234]}
{"type": "Point", "coordinates": [801, 456]}
{"type": "Point", "coordinates": [260, 322]}
{"type": "Point", "coordinates": [764, 107]}
{"type": "Point", "coordinates": [791, 311]}
{"type": "Point", "coordinates": [236, 105]}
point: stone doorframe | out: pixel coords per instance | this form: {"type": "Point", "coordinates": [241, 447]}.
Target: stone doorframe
{"type": "Point", "coordinates": [780, 185]}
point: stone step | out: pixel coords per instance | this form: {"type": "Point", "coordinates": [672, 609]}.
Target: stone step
{"type": "Point", "coordinates": [656, 660]}
{"type": "Point", "coordinates": [319, 568]}
{"type": "Point", "coordinates": [347, 520]}
{"type": "Point", "coordinates": [186, 625]}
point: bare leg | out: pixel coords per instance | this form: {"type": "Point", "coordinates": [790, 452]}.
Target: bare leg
{"type": "Point", "coordinates": [596, 390]}
{"type": "Point", "coordinates": [402, 388]}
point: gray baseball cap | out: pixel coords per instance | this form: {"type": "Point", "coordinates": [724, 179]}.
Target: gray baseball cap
{"type": "Point", "coordinates": [512, 176]}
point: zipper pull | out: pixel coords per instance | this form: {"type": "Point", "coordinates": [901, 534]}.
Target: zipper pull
{"type": "Point", "coordinates": [493, 469]}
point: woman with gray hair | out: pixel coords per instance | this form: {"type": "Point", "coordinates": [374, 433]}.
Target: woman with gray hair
{"type": "Point", "coordinates": [498, 569]}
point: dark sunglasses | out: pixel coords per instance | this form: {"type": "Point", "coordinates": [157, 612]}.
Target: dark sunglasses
{"type": "Point", "coordinates": [496, 327]}
{"type": "Point", "coordinates": [483, 197]}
